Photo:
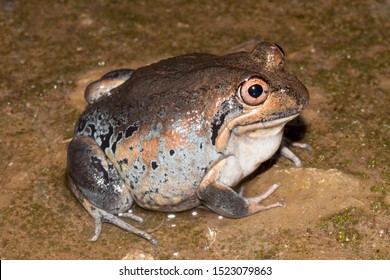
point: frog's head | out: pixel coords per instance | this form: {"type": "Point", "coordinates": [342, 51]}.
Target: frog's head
{"type": "Point", "coordinates": [263, 95]}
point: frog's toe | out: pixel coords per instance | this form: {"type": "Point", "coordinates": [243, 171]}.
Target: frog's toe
{"type": "Point", "coordinates": [259, 199]}
{"type": "Point", "coordinates": [132, 216]}
{"type": "Point", "coordinates": [303, 146]}
{"type": "Point", "coordinates": [267, 193]}
{"type": "Point", "coordinates": [100, 216]}
{"type": "Point", "coordinates": [98, 230]}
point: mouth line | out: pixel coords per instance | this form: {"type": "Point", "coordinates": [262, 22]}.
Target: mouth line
{"type": "Point", "coordinates": [272, 123]}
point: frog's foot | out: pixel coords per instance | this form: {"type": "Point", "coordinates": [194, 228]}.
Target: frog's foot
{"type": "Point", "coordinates": [287, 153]}
{"type": "Point", "coordinates": [101, 216]}
{"type": "Point", "coordinates": [258, 199]}
{"type": "Point", "coordinates": [228, 203]}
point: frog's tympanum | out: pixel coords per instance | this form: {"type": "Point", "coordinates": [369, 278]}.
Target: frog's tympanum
{"type": "Point", "coordinates": [180, 133]}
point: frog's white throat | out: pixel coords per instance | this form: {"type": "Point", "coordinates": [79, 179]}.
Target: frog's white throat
{"type": "Point", "coordinates": [250, 147]}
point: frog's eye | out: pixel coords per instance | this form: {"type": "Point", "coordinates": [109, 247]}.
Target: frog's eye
{"type": "Point", "coordinates": [253, 91]}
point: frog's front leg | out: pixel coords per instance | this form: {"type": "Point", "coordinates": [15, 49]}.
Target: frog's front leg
{"type": "Point", "coordinates": [97, 185]}
{"type": "Point", "coordinates": [216, 194]}
{"type": "Point", "coordinates": [287, 153]}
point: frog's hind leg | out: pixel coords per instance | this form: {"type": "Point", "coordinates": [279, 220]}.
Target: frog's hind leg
{"type": "Point", "coordinates": [96, 184]}
{"type": "Point", "coordinates": [101, 216]}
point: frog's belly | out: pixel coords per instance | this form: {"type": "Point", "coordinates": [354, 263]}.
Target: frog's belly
{"type": "Point", "coordinates": [172, 186]}
{"type": "Point", "coordinates": [166, 198]}
{"type": "Point", "coordinates": [167, 179]}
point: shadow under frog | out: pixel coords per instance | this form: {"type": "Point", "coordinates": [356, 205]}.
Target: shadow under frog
{"type": "Point", "coordinates": [180, 133]}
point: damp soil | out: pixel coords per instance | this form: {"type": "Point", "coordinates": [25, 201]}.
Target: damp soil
{"type": "Point", "coordinates": [336, 205]}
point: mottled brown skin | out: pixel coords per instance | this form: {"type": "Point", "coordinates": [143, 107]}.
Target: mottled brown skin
{"type": "Point", "coordinates": [182, 132]}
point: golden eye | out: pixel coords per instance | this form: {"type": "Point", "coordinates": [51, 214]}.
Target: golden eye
{"type": "Point", "coordinates": [253, 91]}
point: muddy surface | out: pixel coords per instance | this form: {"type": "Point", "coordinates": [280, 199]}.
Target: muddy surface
{"type": "Point", "coordinates": [337, 205]}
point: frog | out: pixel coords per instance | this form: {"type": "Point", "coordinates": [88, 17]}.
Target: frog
{"type": "Point", "coordinates": [182, 133]}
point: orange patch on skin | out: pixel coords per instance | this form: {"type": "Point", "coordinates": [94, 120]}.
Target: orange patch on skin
{"type": "Point", "coordinates": [150, 149]}
{"type": "Point", "coordinates": [175, 139]}
{"type": "Point", "coordinates": [179, 137]}
{"type": "Point", "coordinates": [211, 111]}
{"type": "Point", "coordinates": [210, 179]}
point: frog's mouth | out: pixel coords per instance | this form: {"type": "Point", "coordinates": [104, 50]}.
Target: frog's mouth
{"type": "Point", "coordinates": [261, 124]}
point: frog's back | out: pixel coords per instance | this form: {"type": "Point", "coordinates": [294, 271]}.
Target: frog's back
{"type": "Point", "coordinates": [152, 129]}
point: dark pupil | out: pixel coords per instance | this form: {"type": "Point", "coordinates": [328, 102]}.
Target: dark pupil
{"type": "Point", "coordinates": [255, 91]}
